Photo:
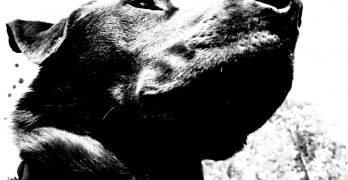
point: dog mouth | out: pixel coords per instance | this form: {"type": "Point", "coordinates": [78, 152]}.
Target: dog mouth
{"type": "Point", "coordinates": [210, 63]}
{"type": "Point", "coordinates": [209, 53]}
{"type": "Point", "coordinates": [232, 85]}
{"type": "Point", "coordinates": [213, 65]}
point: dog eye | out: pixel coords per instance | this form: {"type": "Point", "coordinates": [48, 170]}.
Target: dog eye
{"type": "Point", "coordinates": [145, 4]}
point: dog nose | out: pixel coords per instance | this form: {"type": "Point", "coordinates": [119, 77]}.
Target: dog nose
{"type": "Point", "coordinates": [279, 4]}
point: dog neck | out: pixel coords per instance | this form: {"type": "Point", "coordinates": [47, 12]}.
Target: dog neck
{"type": "Point", "coordinates": [57, 103]}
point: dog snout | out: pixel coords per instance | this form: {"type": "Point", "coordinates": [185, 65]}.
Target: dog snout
{"type": "Point", "coordinates": [289, 8]}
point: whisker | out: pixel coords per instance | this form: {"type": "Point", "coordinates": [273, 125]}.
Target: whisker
{"type": "Point", "coordinates": [108, 113]}
{"type": "Point", "coordinates": [61, 90]}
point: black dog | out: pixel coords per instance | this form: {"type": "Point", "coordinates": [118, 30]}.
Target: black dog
{"type": "Point", "coordinates": [146, 89]}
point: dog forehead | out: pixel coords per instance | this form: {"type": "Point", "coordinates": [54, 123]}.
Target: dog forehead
{"type": "Point", "coordinates": [101, 3]}
{"type": "Point", "coordinates": [95, 5]}
{"type": "Point", "coordinates": [194, 4]}
{"type": "Point", "coordinates": [181, 4]}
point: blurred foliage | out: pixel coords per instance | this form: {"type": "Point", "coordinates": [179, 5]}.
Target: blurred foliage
{"type": "Point", "coordinates": [292, 145]}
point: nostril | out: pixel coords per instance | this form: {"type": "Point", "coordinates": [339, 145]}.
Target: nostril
{"type": "Point", "coordinates": [279, 4]}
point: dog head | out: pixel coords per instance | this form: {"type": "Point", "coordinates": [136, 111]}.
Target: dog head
{"type": "Point", "coordinates": [163, 59]}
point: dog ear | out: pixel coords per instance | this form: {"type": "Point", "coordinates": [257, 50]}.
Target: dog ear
{"type": "Point", "coordinates": [36, 40]}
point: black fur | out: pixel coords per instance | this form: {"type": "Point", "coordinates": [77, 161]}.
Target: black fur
{"type": "Point", "coordinates": [147, 90]}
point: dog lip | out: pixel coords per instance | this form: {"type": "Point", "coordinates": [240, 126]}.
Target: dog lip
{"type": "Point", "coordinates": [148, 90]}
{"type": "Point", "coordinates": [151, 89]}
{"type": "Point", "coordinates": [279, 11]}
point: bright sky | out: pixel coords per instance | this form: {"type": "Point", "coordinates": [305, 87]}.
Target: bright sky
{"type": "Point", "coordinates": [321, 68]}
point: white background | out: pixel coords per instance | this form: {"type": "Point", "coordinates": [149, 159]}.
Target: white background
{"type": "Point", "coordinates": [321, 68]}
{"type": "Point", "coordinates": [43, 10]}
